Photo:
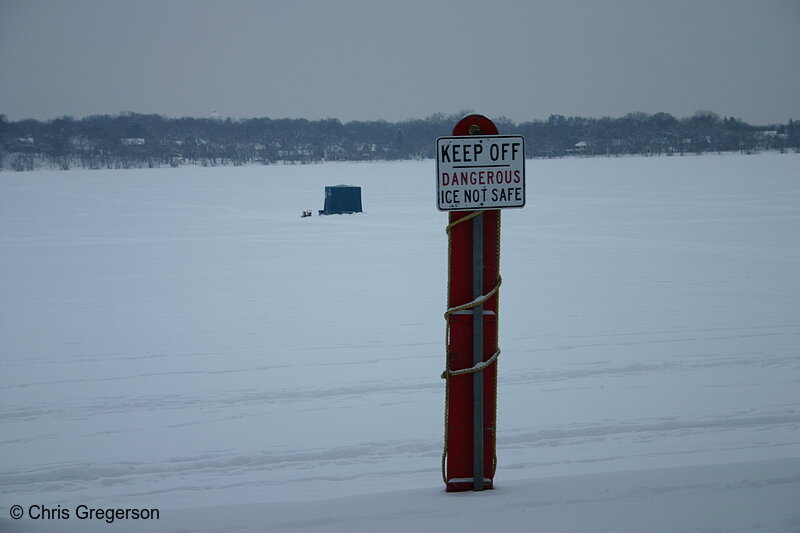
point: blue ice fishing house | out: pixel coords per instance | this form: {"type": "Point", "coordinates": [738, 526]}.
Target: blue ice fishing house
{"type": "Point", "coordinates": [342, 199]}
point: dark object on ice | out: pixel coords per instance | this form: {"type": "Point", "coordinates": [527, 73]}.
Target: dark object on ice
{"type": "Point", "coordinates": [341, 199]}
{"type": "Point", "coordinates": [306, 214]}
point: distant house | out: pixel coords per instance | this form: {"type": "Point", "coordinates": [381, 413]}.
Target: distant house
{"type": "Point", "coordinates": [579, 148]}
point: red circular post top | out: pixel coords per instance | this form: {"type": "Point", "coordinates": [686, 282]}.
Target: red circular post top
{"type": "Point", "coordinates": [475, 125]}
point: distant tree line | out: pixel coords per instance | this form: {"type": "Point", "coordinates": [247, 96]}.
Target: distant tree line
{"type": "Point", "coordinates": [131, 140]}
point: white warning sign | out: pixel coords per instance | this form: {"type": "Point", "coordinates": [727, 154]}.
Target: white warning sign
{"type": "Point", "coordinates": [480, 172]}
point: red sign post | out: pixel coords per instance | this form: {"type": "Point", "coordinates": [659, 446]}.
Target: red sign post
{"type": "Point", "coordinates": [481, 171]}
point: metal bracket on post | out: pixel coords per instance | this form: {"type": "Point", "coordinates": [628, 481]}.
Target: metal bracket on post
{"type": "Point", "coordinates": [477, 344]}
{"type": "Point", "coordinates": [477, 353]}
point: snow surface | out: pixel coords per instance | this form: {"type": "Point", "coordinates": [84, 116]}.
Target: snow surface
{"type": "Point", "coordinates": [182, 339]}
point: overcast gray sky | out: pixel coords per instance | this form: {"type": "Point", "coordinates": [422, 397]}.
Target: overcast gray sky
{"type": "Point", "coordinates": [394, 60]}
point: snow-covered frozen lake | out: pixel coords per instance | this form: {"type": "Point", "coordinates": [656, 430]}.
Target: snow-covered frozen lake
{"type": "Point", "coordinates": [182, 339]}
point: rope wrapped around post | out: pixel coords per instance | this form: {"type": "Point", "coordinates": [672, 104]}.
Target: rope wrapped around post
{"type": "Point", "coordinates": [447, 374]}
